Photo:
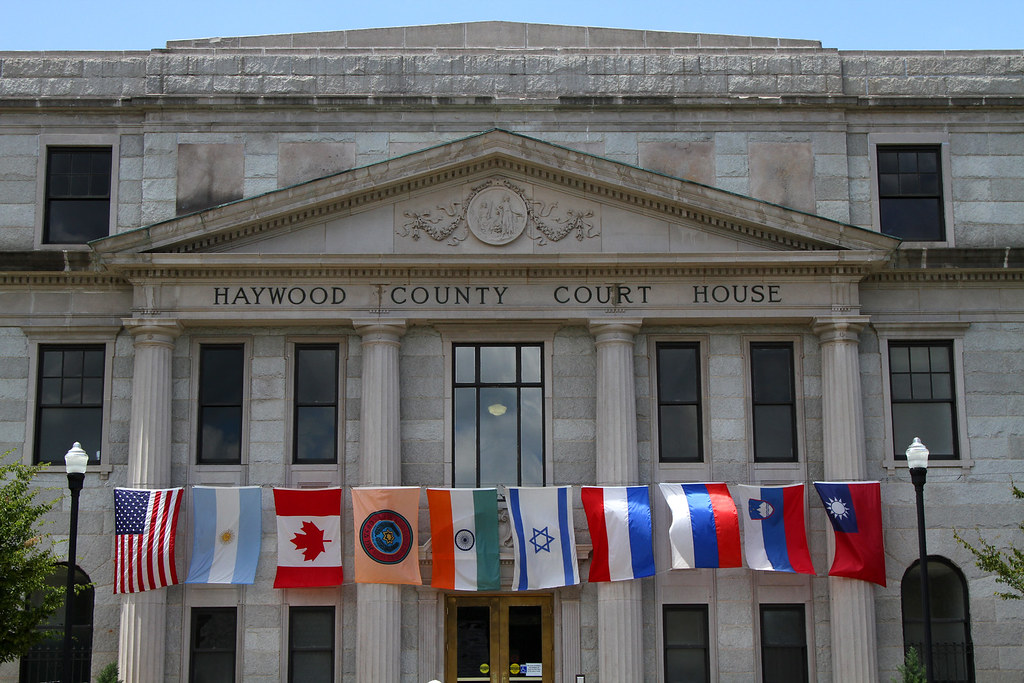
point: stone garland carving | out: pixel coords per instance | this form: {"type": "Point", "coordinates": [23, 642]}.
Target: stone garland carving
{"type": "Point", "coordinates": [497, 212]}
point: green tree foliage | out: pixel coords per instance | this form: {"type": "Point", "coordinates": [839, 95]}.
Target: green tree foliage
{"type": "Point", "coordinates": [1008, 565]}
{"type": "Point", "coordinates": [26, 561]}
{"type": "Point", "coordinates": [912, 670]}
{"type": "Point", "coordinates": [109, 674]}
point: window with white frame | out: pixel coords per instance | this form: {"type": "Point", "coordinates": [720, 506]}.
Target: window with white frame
{"type": "Point", "coordinates": [911, 186]}
{"type": "Point", "coordinates": [212, 644]}
{"type": "Point", "coordinates": [773, 401]}
{"type": "Point", "coordinates": [221, 403]}
{"type": "Point", "coordinates": [679, 395]}
{"type": "Point", "coordinates": [311, 644]}
{"type": "Point", "coordinates": [69, 401]}
{"type": "Point", "coordinates": [686, 646]}
{"type": "Point", "coordinates": [315, 404]}
{"type": "Point", "coordinates": [784, 644]}
{"type": "Point", "coordinates": [77, 194]}
{"type": "Point", "coordinates": [923, 397]}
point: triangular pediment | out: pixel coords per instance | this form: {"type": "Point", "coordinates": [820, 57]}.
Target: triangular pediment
{"type": "Point", "coordinates": [495, 193]}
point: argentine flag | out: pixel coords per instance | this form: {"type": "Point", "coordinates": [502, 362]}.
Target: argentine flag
{"type": "Point", "coordinates": [227, 530]}
{"type": "Point", "coordinates": [542, 534]}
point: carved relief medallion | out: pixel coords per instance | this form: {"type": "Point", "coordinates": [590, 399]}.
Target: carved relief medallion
{"type": "Point", "coordinates": [497, 215]}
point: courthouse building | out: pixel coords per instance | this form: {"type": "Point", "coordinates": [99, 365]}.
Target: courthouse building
{"type": "Point", "coordinates": [499, 254]}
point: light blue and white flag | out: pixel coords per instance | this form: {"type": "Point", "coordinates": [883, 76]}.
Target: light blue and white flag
{"type": "Point", "coordinates": [226, 534]}
{"type": "Point", "coordinates": [542, 534]}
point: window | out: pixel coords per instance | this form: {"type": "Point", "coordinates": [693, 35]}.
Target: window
{"type": "Point", "coordinates": [77, 194]}
{"type": "Point", "coordinates": [773, 395]}
{"type": "Point", "coordinates": [221, 392]}
{"type": "Point", "coordinates": [687, 654]}
{"type": "Point", "coordinates": [45, 660]}
{"type": "Point", "coordinates": [69, 401]}
{"type": "Point", "coordinates": [311, 645]}
{"type": "Point", "coordinates": [498, 415]}
{"type": "Point", "coordinates": [212, 645]}
{"type": "Point", "coordinates": [910, 203]}
{"type": "Point", "coordinates": [315, 419]}
{"type": "Point", "coordinates": [783, 644]}
{"type": "Point", "coordinates": [679, 395]}
{"type": "Point", "coordinates": [952, 648]}
{"type": "Point", "coordinates": [923, 397]}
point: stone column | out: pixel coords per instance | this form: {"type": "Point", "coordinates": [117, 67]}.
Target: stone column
{"type": "Point", "coordinates": [143, 633]}
{"type": "Point", "coordinates": [379, 606]}
{"type": "Point", "coordinates": [619, 606]}
{"type": "Point", "coordinates": [852, 602]}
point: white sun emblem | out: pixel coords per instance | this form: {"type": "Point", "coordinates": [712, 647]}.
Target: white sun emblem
{"type": "Point", "coordinates": [837, 508]}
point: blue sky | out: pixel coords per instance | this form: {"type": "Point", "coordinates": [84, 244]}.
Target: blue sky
{"type": "Point", "coordinates": [848, 25]}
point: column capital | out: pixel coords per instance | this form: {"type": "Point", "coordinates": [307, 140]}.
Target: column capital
{"type": "Point", "coordinates": [153, 330]}
{"type": "Point", "coordinates": [840, 328]}
{"type": "Point", "coordinates": [379, 330]}
{"type": "Point", "coordinates": [614, 329]}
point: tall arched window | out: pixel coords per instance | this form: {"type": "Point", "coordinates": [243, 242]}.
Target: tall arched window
{"type": "Point", "coordinates": [952, 650]}
{"type": "Point", "coordinates": [45, 661]}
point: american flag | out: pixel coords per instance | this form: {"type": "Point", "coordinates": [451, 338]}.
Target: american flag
{"type": "Point", "coordinates": [144, 524]}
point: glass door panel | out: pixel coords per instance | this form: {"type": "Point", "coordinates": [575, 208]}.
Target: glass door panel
{"type": "Point", "coordinates": [499, 639]}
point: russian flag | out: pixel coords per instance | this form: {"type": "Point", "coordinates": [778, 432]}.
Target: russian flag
{"type": "Point", "coordinates": [855, 510]}
{"type": "Point", "coordinates": [705, 530]}
{"type": "Point", "coordinates": [619, 518]}
{"type": "Point", "coordinates": [774, 533]}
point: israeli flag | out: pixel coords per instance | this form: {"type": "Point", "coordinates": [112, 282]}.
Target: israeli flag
{"type": "Point", "coordinates": [226, 534]}
{"type": "Point", "coordinates": [542, 534]}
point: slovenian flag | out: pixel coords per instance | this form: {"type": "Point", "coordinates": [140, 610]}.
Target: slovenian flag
{"type": "Point", "coordinates": [619, 518]}
{"type": "Point", "coordinates": [227, 530]}
{"type": "Point", "coordinates": [308, 537]}
{"type": "Point", "coordinates": [774, 532]}
{"type": "Point", "coordinates": [542, 534]}
{"type": "Point", "coordinates": [464, 539]}
{"type": "Point", "coordinates": [855, 510]}
{"type": "Point", "coordinates": [705, 530]}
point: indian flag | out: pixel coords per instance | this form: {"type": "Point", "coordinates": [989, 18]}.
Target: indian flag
{"type": "Point", "coordinates": [464, 539]}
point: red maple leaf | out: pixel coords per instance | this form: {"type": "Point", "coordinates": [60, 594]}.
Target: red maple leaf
{"type": "Point", "coordinates": [310, 541]}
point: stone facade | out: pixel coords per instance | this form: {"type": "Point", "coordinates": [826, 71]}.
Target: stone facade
{"type": "Point", "coordinates": [722, 190]}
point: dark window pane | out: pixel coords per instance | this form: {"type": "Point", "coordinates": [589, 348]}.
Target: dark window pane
{"type": "Point", "coordinates": [313, 667]}
{"type": "Point", "coordinates": [472, 639]}
{"type": "Point", "coordinates": [942, 386]}
{"type": "Point", "coordinates": [221, 372]}
{"type": "Point", "coordinates": [311, 645]}
{"type": "Point", "coordinates": [77, 195]}
{"type": "Point", "coordinates": [687, 657]}
{"type": "Point", "coordinates": [773, 433]}
{"type": "Point", "coordinates": [910, 193]}
{"type": "Point", "coordinates": [899, 358]}
{"type": "Point", "coordinates": [931, 422]}
{"type": "Point", "coordinates": [220, 434]}
{"type": "Point", "coordinates": [679, 428]}
{"type": "Point", "coordinates": [60, 428]}
{"type": "Point", "coordinates": [920, 359]}
{"type": "Point", "coordinates": [69, 401]}
{"type": "Point", "coordinates": [677, 375]}
{"type": "Point", "coordinates": [531, 452]}
{"type": "Point", "coordinates": [901, 387]}
{"type": "Point", "coordinates": [212, 657]}
{"type": "Point", "coordinates": [921, 385]}
{"type": "Point", "coordinates": [71, 391]}
{"type": "Point", "coordinates": [783, 644]}
{"type": "Point", "coordinates": [315, 433]}
{"type": "Point", "coordinates": [922, 392]}
{"type": "Point", "coordinates": [316, 375]}
{"type": "Point", "coordinates": [772, 370]}
{"type": "Point", "coordinates": [952, 649]}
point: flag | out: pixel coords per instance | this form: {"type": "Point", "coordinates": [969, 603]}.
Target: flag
{"type": "Point", "coordinates": [308, 537]}
{"type": "Point", "coordinates": [705, 530]}
{"type": "Point", "coordinates": [386, 521]}
{"type": "Point", "coordinates": [464, 539]}
{"type": "Point", "coordinates": [774, 533]}
{"type": "Point", "coordinates": [145, 521]}
{"type": "Point", "coordinates": [542, 534]}
{"type": "Point", "coordinates": [226, 534]}
{"type": "Point", "coordinates": [619, 518]}
{"type": "Point", "coordinates": [855, 510]}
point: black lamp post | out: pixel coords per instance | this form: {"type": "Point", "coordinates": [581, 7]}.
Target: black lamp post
{"type": "Point", "coordinates": [75, 460]}
{"type": "Point", "coordinates": [917, 460]}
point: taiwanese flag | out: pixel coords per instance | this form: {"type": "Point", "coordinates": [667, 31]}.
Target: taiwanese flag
{"type": "Point", "coordinates": [855, 510]}
{"type": "Point", "coordinates": [774, 534]}
{"type": "Point", "coordinates": [619, 518]}
{"type": "Point", "coordinates": [705, 530]}
{"type": "Point", "coordinates": [308, 537]}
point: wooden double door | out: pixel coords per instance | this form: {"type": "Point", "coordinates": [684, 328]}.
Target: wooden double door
{"type": "Point", "coordinates": [499, 639]}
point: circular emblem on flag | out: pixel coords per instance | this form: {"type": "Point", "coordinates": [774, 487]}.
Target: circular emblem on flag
{"type": "Point", "coordinates": [464, 539]}
{"type": "Point", "coordinates": [227, 536]}
{"type": "Point", "coordinates": [386, 537]}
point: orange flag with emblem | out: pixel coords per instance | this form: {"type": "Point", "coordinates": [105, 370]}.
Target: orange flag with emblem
{"type": "Point", "coordinates": [386, 527]}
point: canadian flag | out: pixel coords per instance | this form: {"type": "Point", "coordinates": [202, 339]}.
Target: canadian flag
{"type": "Point", "coordinates": [308, 537]}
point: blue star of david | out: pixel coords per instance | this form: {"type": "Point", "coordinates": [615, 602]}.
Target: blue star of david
{"type": "Point", "coordinates": [545, 537]}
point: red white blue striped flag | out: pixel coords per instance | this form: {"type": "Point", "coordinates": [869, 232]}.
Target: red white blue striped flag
{"type": "Point", "coordinates": [705, 530]}
{"type": "Point", "coordinates": [145, 521]}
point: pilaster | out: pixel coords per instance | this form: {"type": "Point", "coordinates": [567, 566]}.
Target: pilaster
{"type": "Point", "coordinates": [852, 603]}
{"type": "Point", "coordinates": [142, 637]}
